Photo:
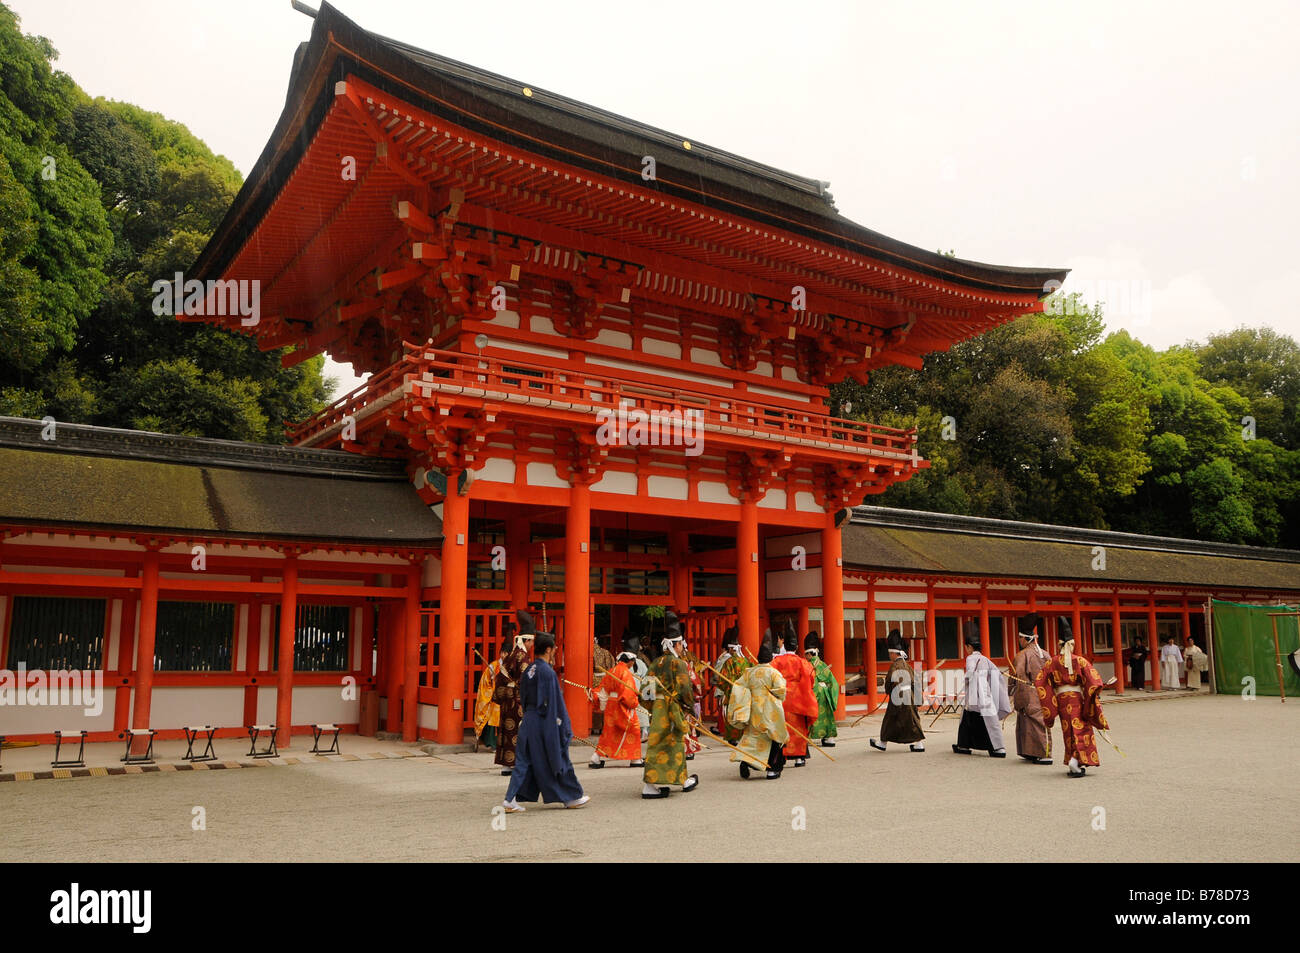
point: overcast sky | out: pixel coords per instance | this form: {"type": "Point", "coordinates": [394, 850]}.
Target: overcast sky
{"type": "Point", "coordinates": [1153, 148]}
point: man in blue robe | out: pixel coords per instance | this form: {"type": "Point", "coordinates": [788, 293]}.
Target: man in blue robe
{"type": "Point", "coordinates": [542, 764]}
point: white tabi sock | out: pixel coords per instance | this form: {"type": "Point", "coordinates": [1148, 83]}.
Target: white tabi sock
{"type": "Point", "coordinates": [649, 788]}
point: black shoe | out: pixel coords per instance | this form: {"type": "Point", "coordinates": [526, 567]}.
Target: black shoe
{"type": "Point", "coordinates": [827, 743]}
{"type": "Point", "coordinates": [691, 784]}
{"type": "Point", "coordinates": [1041, 760]}
{"type": "Point", "coordinates": [595, 764]}
{"type": "Point", "coordinates": [663, 792]}
{"type": "Point", "coordinates": [959, 750]}
{"type": "Point", "coordinates": [997, 754]}
{"type": "Point", "coordinates": [744, 770]}
{"type": "Point", "coordinates": [636, 764]}
{"type": "Point", "coordinates": [799, 762]}
{"type": "Point", "coordinates": [505, 772]}
{"type": "Point", "coordinates": [773, 775]}
{"type": "Point", "coordinates": [875, 744]}
{"type": "Point", "coordinates": [916, 749]}
{"type": "Point", "coordinates": [1074, 774]}
{"type": "Point", "coordinates": [690, 757]}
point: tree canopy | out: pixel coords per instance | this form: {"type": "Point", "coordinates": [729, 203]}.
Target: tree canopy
{"type": "Point", "coordinates": [97, 200]}
{"type": "Point", "coordinates": [1046, 420]}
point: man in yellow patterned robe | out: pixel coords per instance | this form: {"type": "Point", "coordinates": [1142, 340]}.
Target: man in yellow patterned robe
{"type": "Point", "coordinates": [487, 713]}
{"type": "Point", "coordinates": [757, 705]}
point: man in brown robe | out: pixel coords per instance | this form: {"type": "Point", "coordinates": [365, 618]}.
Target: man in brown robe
{"type": "Point", "coordinates": [506, 692]}
{"type": "Point", "coordinates": [902, 723]}
{"type": "Point", "coordinates": [1033, 743]}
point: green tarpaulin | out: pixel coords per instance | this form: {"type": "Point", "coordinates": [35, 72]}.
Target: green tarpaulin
{"type": "Point", "coordinates": [1243, 648]}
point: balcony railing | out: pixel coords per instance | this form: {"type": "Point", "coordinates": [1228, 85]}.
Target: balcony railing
{"type": "Point", "coordinates": [429, 372]}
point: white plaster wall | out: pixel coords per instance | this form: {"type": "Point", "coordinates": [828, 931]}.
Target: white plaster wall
{"type": "Point", "coordinates": [428, 715]}
{"type": "Point", "coordinates": [506, 318]}
{"type": "Point", "coordinates": [221, 706]}
{"type": "Point", "coordinates": [670, 488]}
{"type": "Point", "coordinates": [616, 481]}
{"type": "Point", "coordinates": [700, 356]}
{"type": "Point", "coordinates": [539, 324]}
{"type": "Point", "coordinates": [612, 338]}
{"type": "Point", "coordinates": [900, 596]}
{"type": "Point", "coordinates": [781, 545]}
{"type": "Point", "coordinates": [45, 719]}
{"type": "Point", "coordinates": [325, 703]}
{"type": "Point", "coordinates": [662, 348]}
{"type": "Point", "coordinates": [311, 704]}
{"type": "Point", "coordinates": [794, 584]}
{"type": "Point", "coordinates": [805, 503]}
{"type": "Point", "coordinates": [496, 470]}
{"type": "Point", "coordinates": [541, 473]}
{"type": "Point", "coordinates": [711, 492]}
{"type": "Point", "coordinates": [773, 500]}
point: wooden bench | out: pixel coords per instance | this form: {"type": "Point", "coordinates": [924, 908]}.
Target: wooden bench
{"type": "Point", "coordinates": [192, 734]}
{"type": "Point", "coordinates": [131, 735]}
{"type": "Point", "coordinates": [255, 732]}
{"type": "Point", "coordinates": [317, 731]}
{"type": "Point", "coordinates": [80, 760]}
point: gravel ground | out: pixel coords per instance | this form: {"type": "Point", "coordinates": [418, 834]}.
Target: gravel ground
{"type": "Point", "coordinates": [1210, 778]}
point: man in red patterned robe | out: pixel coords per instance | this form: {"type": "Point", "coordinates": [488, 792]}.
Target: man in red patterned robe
{"type": "Point", "coordinates": [800, 700]}
{"type": "Point", "coordinates": [620, 736]}
{"type": "Point", "coordinates": [1069, 687]}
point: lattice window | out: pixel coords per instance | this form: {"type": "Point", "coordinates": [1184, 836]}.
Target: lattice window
{"type": "Point", "coordinates": [52, 634]}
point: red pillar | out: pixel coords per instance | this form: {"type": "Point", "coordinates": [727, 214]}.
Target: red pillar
{"type": "Point", "coordinates": [252, 654]}
{"type": "Point", "coordinates": [870, 647]}
{"type": "Point", "coordinates": [931, 645]}
{"type": "Point", "coordinates": [747, 577]}
{"type": "Point", "coordinates": [833, 604]}
{"type": "Point", "coordinates": [145, 645]}
{"type": "Point", "coordinates": [984, 622]}
{"type": "Point", "coordinates": [618, 619]}
{"type": "Point", "coordinates": [390, 632]}
{"type": "Point", "coordinates": [802, 624]}
{"type": "Point", "coordinates": [451, 631]}
{"type": "Point", "coordinates": [518, 569]}
{"type": "Point", "coordinates": [1187, 624]}
{"type": "Point", "coordinates": [284, 674]}
{"type": "Point", "coordinates": [125, 669]}
{"type": "Point", "coordinates": [577, 596]}
{"type": "Point", "coordinates": [1115, 643]}
{"type": "Point", "coordinates": [679, 549]}
{"type": "Point", "coordinates": [411, 654]}
{"type": "Point", "coordinates": [1076, 619]}
{"type": "Point", "coordinates": [1152, 640]}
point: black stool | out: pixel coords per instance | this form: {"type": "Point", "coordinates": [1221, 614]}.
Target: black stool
{"type": "Point", "coordinates": [80, 761]}
{"type": "Point", "coordinates": [255, 732]}
{"type": "Point", "coordinates": [192, 734]}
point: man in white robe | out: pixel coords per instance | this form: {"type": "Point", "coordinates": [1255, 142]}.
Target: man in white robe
{"type": "Point", "coordinates": [1171, 663]}
{"type": "Point", "coordinates": [987, 702]}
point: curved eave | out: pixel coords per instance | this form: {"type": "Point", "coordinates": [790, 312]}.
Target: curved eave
{"type": "Point", "coordinates": [567, 131]}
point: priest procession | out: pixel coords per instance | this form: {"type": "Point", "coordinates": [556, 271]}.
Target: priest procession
{"type": "Point", "coordinates": [775, 707]}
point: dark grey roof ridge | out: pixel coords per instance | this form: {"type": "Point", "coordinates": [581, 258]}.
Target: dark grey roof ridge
{"type": "Point", "coordinates": [576, 107]}
{"type": "Point", "coordinates": [1011, 529]}
{"type": "Point", "coordinates": [90, 440]}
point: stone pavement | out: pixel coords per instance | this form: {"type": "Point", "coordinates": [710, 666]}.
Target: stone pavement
{"type": "Point", "coordinates": [1213, 779]}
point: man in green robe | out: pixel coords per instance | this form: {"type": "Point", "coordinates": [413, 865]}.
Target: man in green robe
{"type": "Point", "coordinates": [665, 754]}
{"type": "Point", "coordinates": [825, 688]}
